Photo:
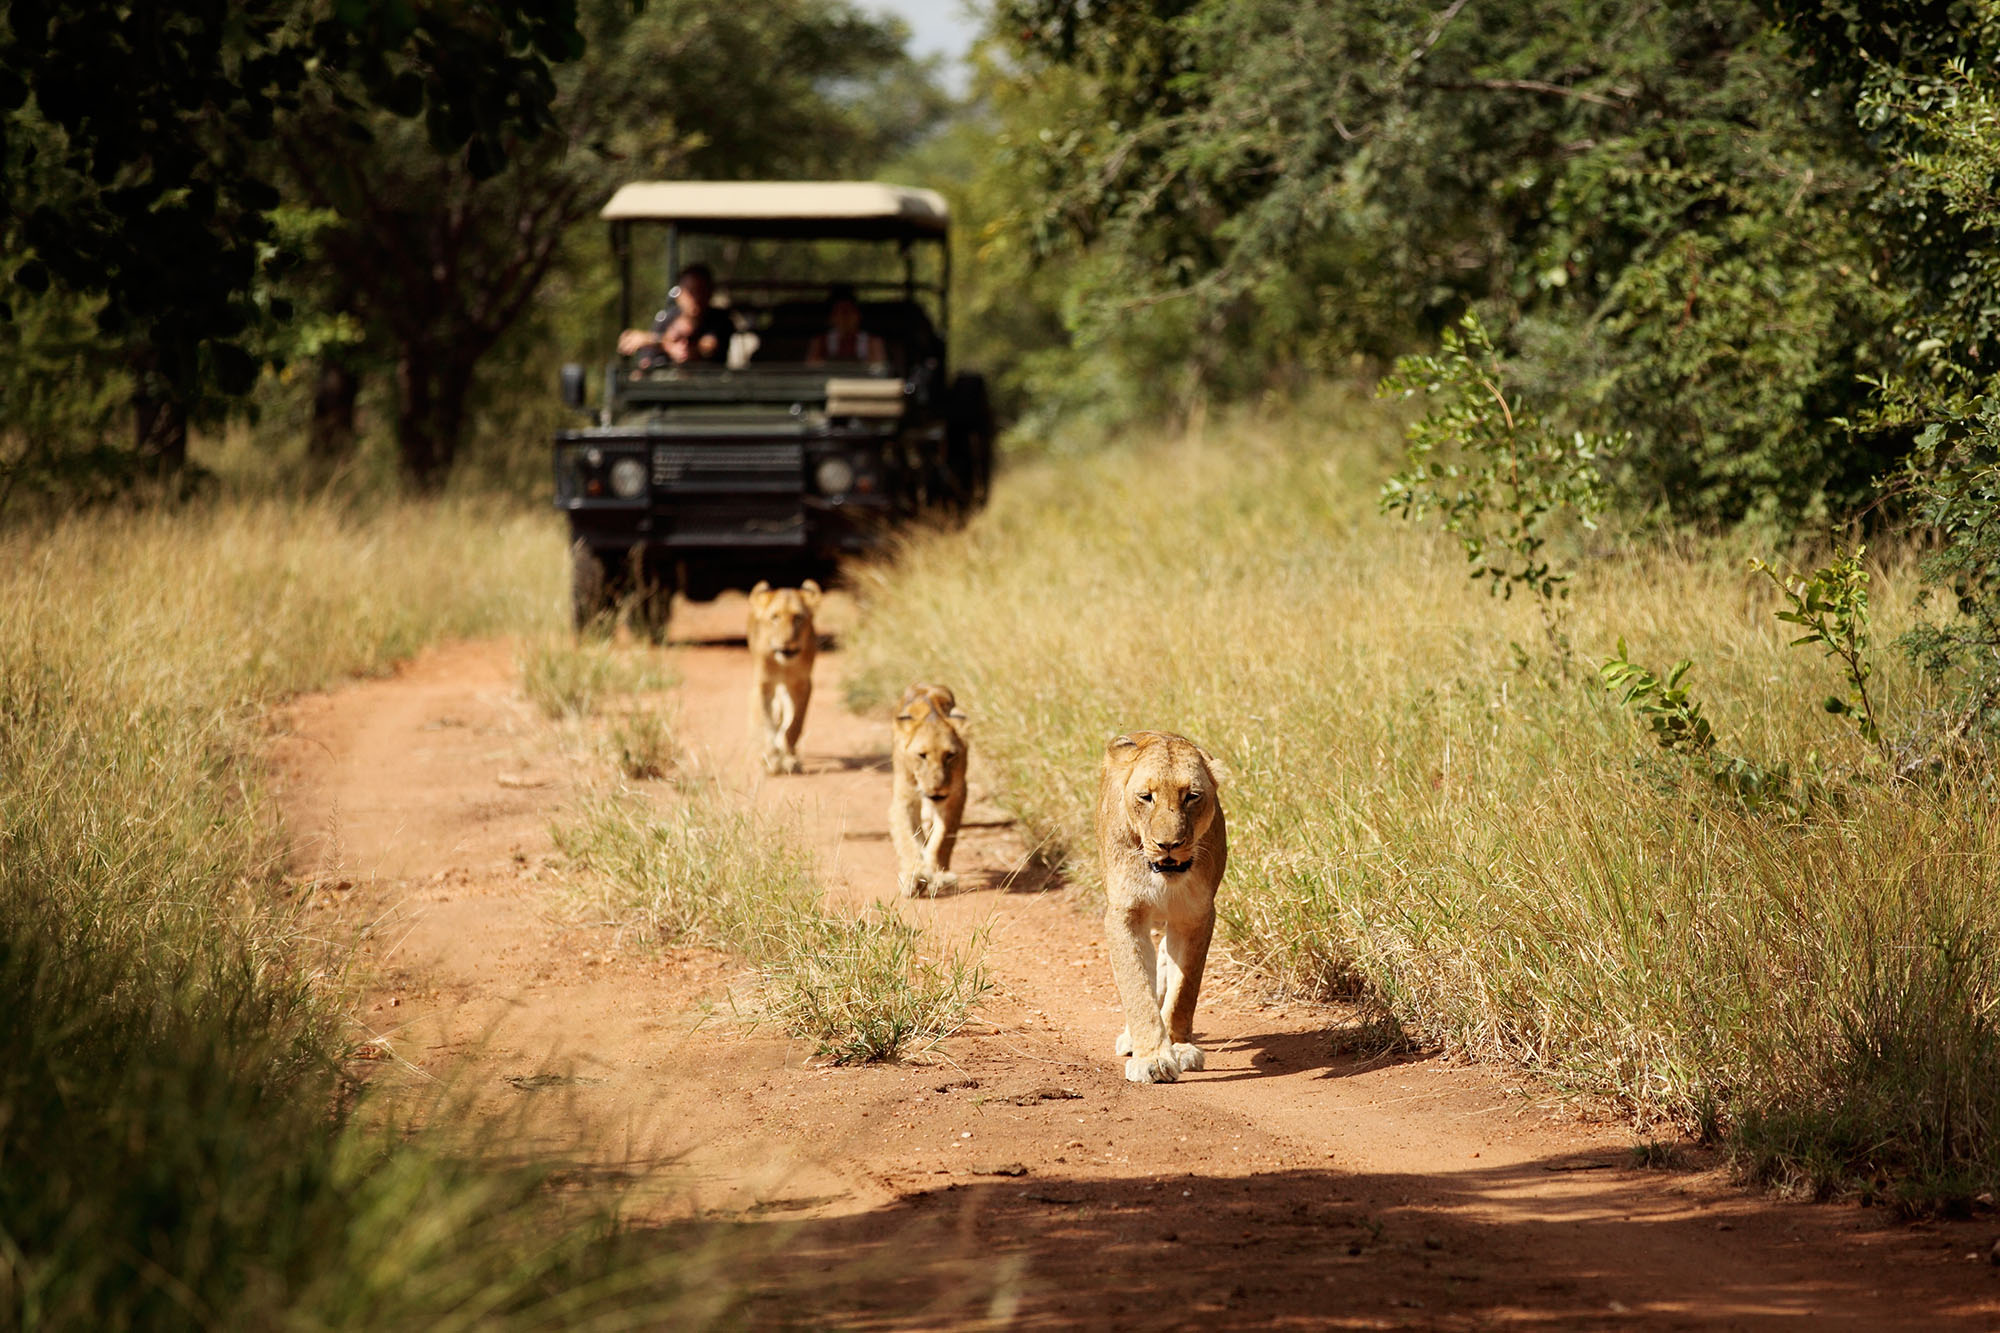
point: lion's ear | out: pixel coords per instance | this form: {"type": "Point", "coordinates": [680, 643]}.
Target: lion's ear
{"type": "Point", "coordinates": [956, 714]}
{"type": "Point", "coordinates": [1217, 770]}
{"type": "Point", "coordinates": [810, 591]}
{"type": "Point", "coordinates": [760, 592]}
{"type": "Point", "coordinates": [1121, 743]}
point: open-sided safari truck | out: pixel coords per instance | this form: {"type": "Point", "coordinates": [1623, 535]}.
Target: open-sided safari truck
{"type": "Point", "coordinates": [701, 477]}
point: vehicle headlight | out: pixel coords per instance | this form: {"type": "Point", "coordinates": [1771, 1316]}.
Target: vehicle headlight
{"type": "Point", "coordinates": [628, 478]}
{"type": "Point", "coordinates": [834, 476]}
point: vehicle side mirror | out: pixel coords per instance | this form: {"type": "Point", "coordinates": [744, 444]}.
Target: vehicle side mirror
{"type": "Point", "coordinates": [572, 385]}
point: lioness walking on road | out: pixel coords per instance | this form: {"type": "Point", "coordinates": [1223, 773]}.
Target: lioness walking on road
{"type": "Point", "coordinates": [782, 648]}
{"type": "Point", "coordinates": [927, 799]}
{"type": "Point", "coordinates": [1161, 836]}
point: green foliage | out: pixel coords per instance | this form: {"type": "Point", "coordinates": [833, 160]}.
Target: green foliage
{"type": "Point", "coordinates": [1957, 490]}
{"type": "Point", "coordinates": [1493, 472]}
{"type": "Point", "coordinates": [1650, 199]}
{"type": "Point", "coordinates": [150, 181]}
{"type": "Point", "coordinates": [1676, 720]}
{"type": "Point", "coordinates": [1930, 93]}
{"type": "Point", "coordinates": [1831, 605]}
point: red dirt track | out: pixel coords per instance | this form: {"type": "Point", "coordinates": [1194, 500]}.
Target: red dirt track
{"type": "Point", "coordinates": [1284, 1187]}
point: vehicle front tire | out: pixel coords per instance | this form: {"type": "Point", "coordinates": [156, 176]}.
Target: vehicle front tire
{"type": "Point", "coordinates": [589, 590]}
{"type": "Point", "coordinates": [652, 600]}
{"type": "Point", "coordinates": [969, 442]}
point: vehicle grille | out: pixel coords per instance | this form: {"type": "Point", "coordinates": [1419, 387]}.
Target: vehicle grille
{"type": "Point", "coordinates": [730, 468]}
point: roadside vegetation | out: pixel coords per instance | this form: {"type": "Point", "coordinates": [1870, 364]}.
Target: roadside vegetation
{"type": "Point", "coordinates": [699, 867]}
{"type": "Point", "coordinates": [566, 676]}
{"type": "Point", "coordinates": [1433, 807]}
{"type": "Point", "coordinates": [183, 1145]}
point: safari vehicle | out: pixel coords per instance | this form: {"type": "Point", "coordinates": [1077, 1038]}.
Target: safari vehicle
{"type": "Point", "coordinates": [696, 478]}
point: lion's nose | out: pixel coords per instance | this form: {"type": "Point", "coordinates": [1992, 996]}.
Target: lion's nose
{"type": "Point", "coordinates": [1168, 844]}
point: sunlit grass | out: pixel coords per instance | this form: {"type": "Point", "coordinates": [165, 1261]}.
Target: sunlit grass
{"type": "Point", "coordinates": [1429, 806]}
{"type": "Point", "coordinates": [701, 867]}
{"type": "Point", "coordinates": [177, 1140]}
{"type": "Point", "coordinates": [570, 677]}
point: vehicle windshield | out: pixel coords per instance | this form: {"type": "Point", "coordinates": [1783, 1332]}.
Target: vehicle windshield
{"type": "Point", "coordinates": [859, 306]}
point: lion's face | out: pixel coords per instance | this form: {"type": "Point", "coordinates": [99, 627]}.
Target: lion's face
{"type": "Point", "coordinates": [781, 619]}
{"type": "Point", "coordinates": [936, 755]}
{"type": "Point", "coordinates": [931, 744]}
{"type": "Point", "coordinates": [1168, 795]}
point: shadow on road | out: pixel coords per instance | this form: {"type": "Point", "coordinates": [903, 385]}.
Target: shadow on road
{"type": "Point", "coordinates": [1311, 1248]}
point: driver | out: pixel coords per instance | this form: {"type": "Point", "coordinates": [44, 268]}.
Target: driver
{"type": "Point", "coordinates": [691, 330]}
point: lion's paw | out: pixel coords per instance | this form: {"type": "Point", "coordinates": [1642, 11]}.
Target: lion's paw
{"type": "Point", "coordinates": [1189, 1058]}
{"type": "Point", "coordinates": [790, 764]}
{"type": "Point", "coordinates": [1159, 1067]}
{"type": "Point", "coordinates": [1124, 1044]}
{"type": "Point", "coordinates": [910, 885]}
{"type": "Point", "coordinates": [943, 881]}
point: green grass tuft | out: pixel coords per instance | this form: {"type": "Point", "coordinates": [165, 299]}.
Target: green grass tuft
{"type": "Point", "coordinates": [702, 868]}
{"type": "Point", "coordinates": [569, 677]}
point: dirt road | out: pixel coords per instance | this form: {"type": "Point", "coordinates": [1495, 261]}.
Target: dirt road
{"type": "Point", "coordinates": [1010, 1178]}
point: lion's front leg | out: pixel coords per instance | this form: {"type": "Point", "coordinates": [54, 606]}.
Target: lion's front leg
{"type": "Point", "coordinates": [774, 720]}
{"type": "Point", "coordinates": [903, 816]}
{"type": "Point", "coordinates": [796, 698]}
{"type": "Point", "coordinates": [938, 836]}
{"type": "Point", "coordinates": [1150, 1055]}
{"type": "Point", "coordinates": [1184, 955]}
{"type": "Point", "coordinates": [951, 814]}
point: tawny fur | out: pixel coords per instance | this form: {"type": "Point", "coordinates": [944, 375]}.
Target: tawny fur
{"type": "Point", "coordinates": [1162, 840]}
{"type": "Point", "coordinates": [782, 648]}
{"type": "Point", "coordinates": [927, 799]}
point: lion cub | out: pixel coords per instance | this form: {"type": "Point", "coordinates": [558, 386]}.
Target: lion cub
{"type": "Point", "coordinates": [782, 645]}
{"type": "Point", "coordinates": [1160, 833]}
{"type": "Point", "coordinates": [928, 797]}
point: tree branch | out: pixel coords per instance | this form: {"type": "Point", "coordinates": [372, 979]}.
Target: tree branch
{"type": "Point", "coordinates": [1528, 86]}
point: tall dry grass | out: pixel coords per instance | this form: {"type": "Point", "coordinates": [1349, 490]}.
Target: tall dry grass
{"type": "Point", "coordinates": [1425, 808]}
{"type": "Point", "coordinates": [177, 1143]}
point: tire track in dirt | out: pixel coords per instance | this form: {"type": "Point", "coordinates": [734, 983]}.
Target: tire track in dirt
{"type": "Point", "coordinates": [1284, 1186]}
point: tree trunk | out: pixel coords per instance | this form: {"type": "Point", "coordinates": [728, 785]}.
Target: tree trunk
{"type": "Point", "coordinates": [430, 412]}
{"type": "Point", "coordinates": [159, 418]}
{"type": "Point", "coordinates": [331, 439]}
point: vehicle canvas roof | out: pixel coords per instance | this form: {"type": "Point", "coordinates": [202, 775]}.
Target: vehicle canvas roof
{"type": "Point", "coordinates": [858, 210]}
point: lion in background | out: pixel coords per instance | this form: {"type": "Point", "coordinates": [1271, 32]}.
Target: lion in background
{"type": "Point", "coordinates": [1161, 835]}
{"type": "Point", "coordinates": [927, 799]}
{"type": "Point", "coordinates": [782, 647]}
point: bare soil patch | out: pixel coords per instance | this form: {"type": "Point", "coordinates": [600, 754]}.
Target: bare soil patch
{"type": "Point", "coordinates": [1011, 1176]}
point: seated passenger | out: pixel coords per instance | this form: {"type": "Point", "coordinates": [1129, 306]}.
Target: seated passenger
{"type": "Point", "coordinates": [704, 331]}
{"type": "Point", "coordinates": [844, 340]}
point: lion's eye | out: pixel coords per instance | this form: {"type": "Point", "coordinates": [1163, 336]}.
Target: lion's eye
{"type": "Point", "coordinates": [1145, 798]}
{"type": "Point", "coordinates": [1191, 798]}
